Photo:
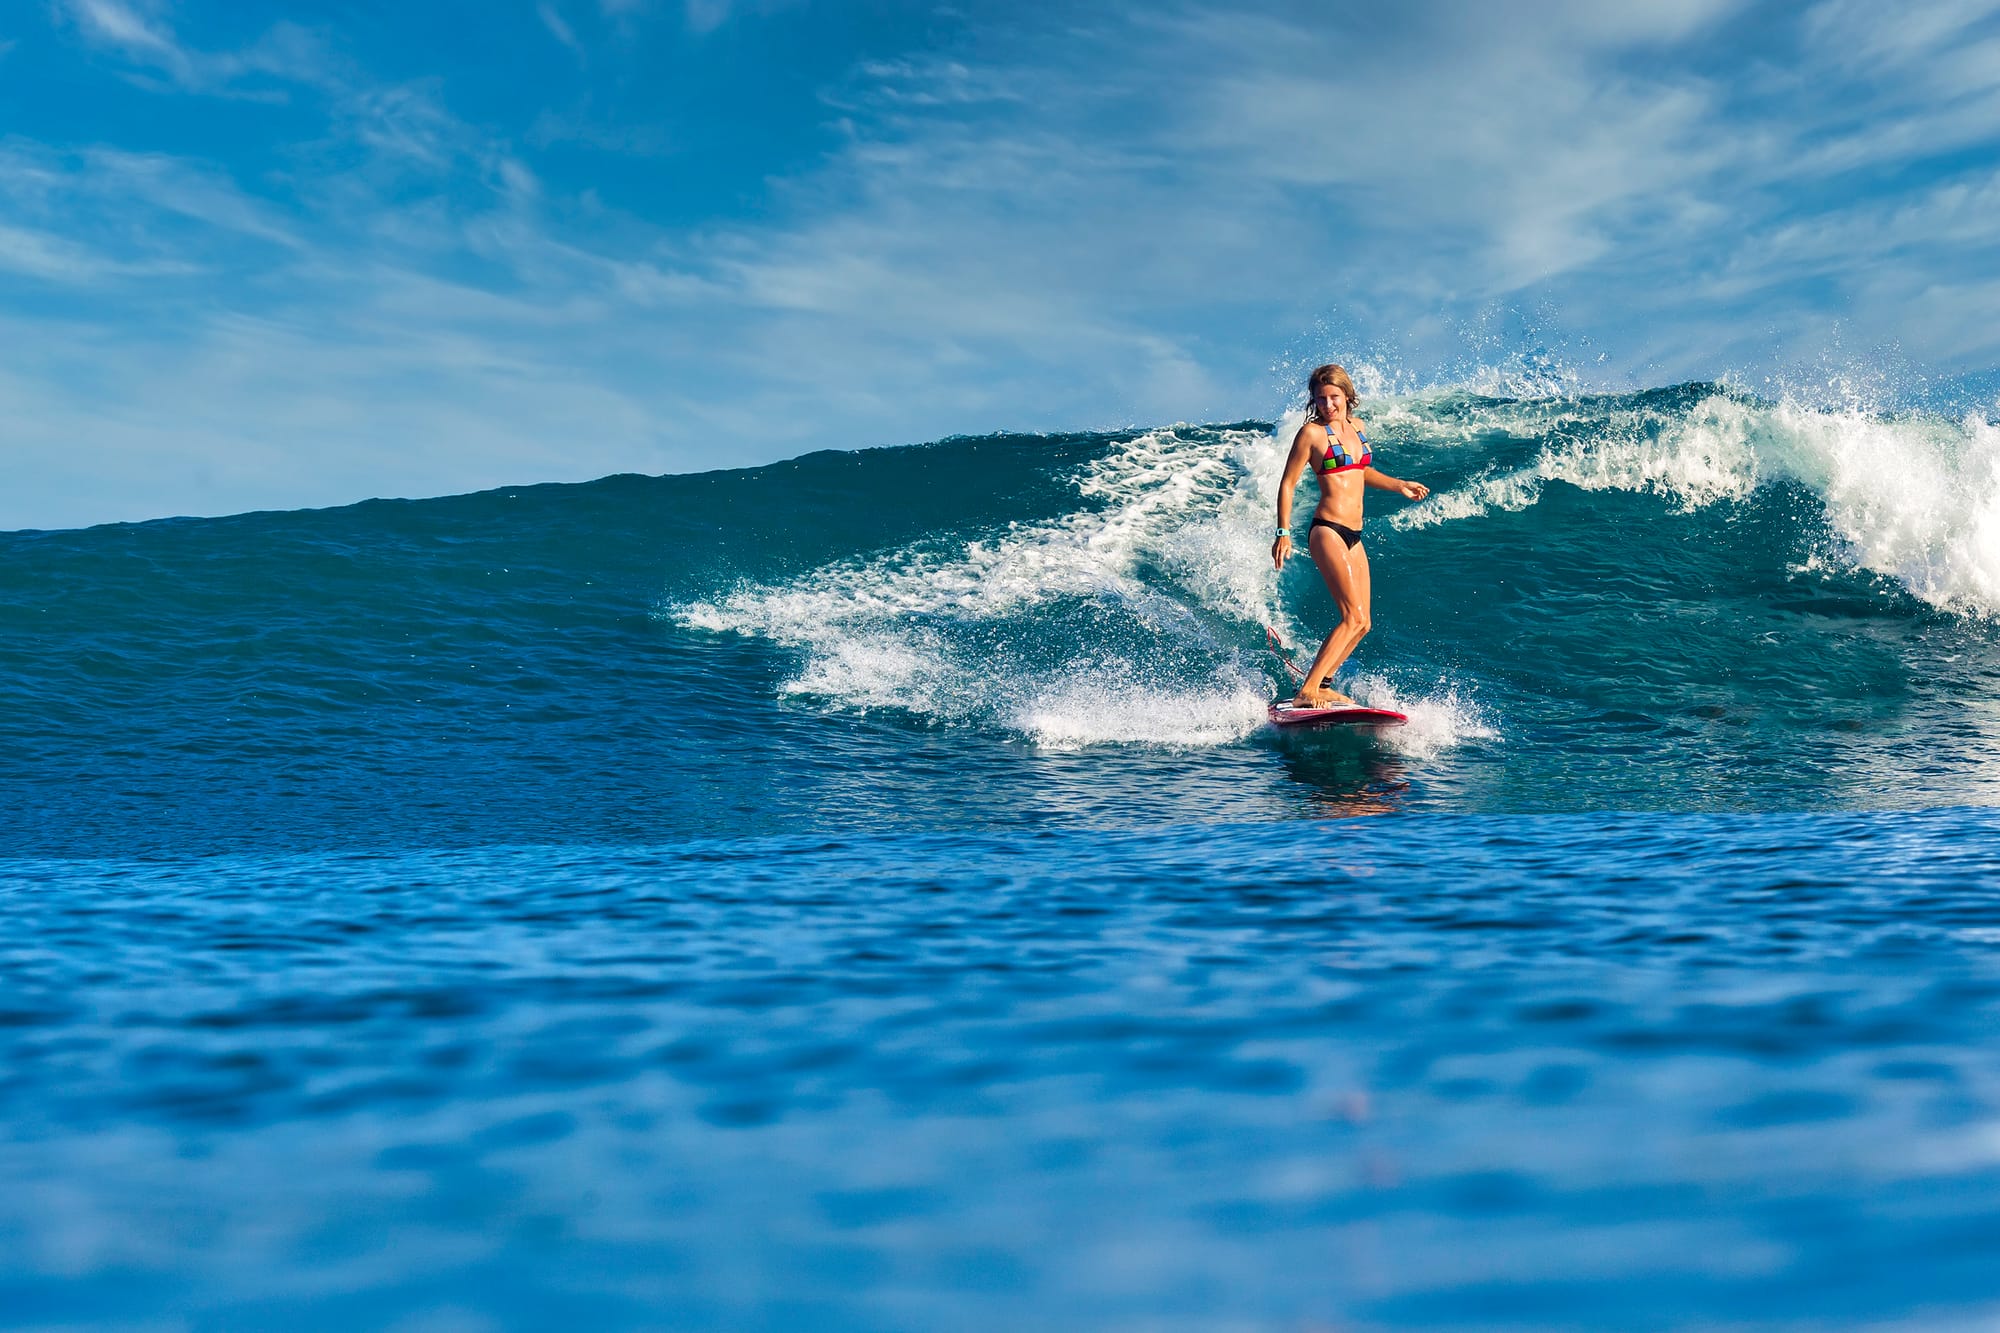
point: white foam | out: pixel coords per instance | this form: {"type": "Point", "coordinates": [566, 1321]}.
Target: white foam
{"type": "Point", "coordinates": [926, 628]}
{"type": "Point", "coordinates": [1689, 462]}
{"type": "Point", "coordinates": [1070, 714]}
{"type": "Point", "coordinates": [1915, 498]}
{"type": "Point", "coordinates": [876, 671]}
{"type": "Point", "coordinates": [1440, 717]}
{"type": "Point", "coordinates": [1510, 491]}
{"type": "Point", "coordinates": [1151, 486]}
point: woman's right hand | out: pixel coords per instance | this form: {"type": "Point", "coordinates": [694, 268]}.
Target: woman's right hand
{"type": "Point", "coordinates": [1279, 550]}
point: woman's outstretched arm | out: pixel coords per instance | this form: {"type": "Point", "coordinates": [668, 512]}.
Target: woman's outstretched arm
{"type": "Point", "coordinates": [1413, 490]}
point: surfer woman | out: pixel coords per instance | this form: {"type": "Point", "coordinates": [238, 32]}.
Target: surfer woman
{"type": "Point", "coordinates": [1335, 443]}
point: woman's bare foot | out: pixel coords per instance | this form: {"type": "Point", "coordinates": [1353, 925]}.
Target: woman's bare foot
{"type": "Point", "coordinates": [1325, 698]}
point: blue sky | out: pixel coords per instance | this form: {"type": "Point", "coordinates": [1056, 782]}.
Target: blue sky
{"type": "Point", "coordinates": [257, 256]}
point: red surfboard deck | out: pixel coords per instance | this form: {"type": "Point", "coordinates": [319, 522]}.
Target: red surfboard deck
{"type": "Point", "coordinates": [1284, 715]}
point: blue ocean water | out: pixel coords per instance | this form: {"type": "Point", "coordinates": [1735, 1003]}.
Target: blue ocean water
{"type": "Point", "coordinates": [861, 893]}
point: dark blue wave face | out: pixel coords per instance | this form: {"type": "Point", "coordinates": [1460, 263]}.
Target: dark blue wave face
{"type": "Point", "coordinates": [1680, 599]}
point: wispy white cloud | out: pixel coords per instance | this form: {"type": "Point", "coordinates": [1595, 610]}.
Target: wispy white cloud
{"type": "Point", "coordinates": [923, 81]}
{"type": "Point", "coordinates": [1070, 243]}
{"type": "Point", "coordinates": [96, 215]}
{"type": "Point", "coordinates": [119, 25]}
{"type": "Point", "coordinates": [343, 363]}
{"type": "Point", "coordinates": [1525, 148]}
{"type": "Point", "coordinates": [1859, 38]}
{"type": "Point", "coordinates": [707, 15]}
{"type": "Point", "coordinates": [1115, 216]}
{"type": "Point", "coordinates": [40, 254]}
{"type": "Point", "coordinates": [285, 53]}
{"type": "Point", "coordinates": [700, 16]}
{"type": "Point", "coordinates": [1600, 156]}
{"type": "Point", "coordinates": [172, 186]}
{"type": "Point", "coordinates": [559, 27]}
{"type": "Point", "coordinates": [247, 412]}
{"type": "Point", "coordinates": [577, 126]}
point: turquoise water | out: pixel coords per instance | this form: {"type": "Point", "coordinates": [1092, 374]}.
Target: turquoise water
{"type": "Point", "coordinates": [862, 893]}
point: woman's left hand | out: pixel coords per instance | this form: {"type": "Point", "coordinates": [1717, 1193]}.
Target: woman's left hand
{"type": "Point", "coordinates": [1414, 490]}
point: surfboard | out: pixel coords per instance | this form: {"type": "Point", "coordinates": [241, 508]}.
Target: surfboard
{"type": "Point", "coordinates": [1352, 715]}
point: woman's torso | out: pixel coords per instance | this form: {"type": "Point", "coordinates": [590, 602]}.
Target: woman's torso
{"type": "Point", "coordinates": [1339, 460]}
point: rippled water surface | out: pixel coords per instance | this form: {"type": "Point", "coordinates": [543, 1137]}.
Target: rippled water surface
{"type": "Point", "coordinates": [1572, 1071]}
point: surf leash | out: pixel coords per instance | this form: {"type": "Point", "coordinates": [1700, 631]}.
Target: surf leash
{"type": "Point", "coordinates": [1284, 655]}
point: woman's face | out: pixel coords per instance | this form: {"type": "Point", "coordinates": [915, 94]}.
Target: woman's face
{"type": "Point", "coordinates": [1331, 402]}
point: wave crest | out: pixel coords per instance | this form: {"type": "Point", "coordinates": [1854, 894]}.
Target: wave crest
{"type": "Point", "coordinates": [1912, 497]}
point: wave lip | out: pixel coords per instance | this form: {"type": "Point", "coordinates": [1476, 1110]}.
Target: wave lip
{"type": "Point", "coordinates": [1911, 497]}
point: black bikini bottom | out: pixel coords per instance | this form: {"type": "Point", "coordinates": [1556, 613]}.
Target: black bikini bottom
{"type": "Point", "coordinates": [1341, 530]}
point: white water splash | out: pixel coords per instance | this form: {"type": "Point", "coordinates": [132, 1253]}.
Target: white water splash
{"type": "Point", "coordinates": [1440, 717]}
{"type": "Point", "coordinates": [877, 632]}
{"type": "Point", "coordinates": [1071, 714]}
{"type": "Point", "coordinates": [1915, 498]}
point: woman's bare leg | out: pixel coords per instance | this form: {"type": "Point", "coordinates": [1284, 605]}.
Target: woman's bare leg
{"type": "Point", "coordinates": [1345, 569]}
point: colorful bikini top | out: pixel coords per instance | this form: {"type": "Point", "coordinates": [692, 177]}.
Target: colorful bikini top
{"type": "Point", "coordinates": [1339, 460]}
